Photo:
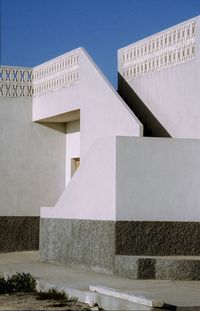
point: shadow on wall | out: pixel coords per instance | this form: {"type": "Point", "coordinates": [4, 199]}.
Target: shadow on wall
{"type": "Point", "coordinates": [152, 127]}
{"type": "Point", "coordinates": [57, 126]}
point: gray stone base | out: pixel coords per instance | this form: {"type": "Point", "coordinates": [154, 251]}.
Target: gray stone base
{"type": "Point", "coordinates": [84, 243]}
{"type": "Point", "coordinates": [159, 268]}
{"type": "Point", "coordinates": [138, 250]}
{"type": "Point", "coordinates": [19, 233]}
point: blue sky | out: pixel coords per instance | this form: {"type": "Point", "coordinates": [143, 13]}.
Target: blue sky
{"type": "Point", "coordinates": [33, 31]}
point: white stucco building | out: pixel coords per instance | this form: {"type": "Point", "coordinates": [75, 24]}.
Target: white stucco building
{"type": "Point", "coordinates": [74, 157]}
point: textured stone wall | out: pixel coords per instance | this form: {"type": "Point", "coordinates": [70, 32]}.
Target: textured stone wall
{"type": "Point", "coordinates": [19, 233]}
{"type": "Point", "coordinates": [137, 250]}
{"type": "Point", "coordinates": [160, 268]}
{"type": "Point", "coordinates": [85, 243]}
{"type": "Point", "coordinates": [157, 238]}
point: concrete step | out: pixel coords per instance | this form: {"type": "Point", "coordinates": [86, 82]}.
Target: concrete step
{"type": "Point", "coordinates": [137, 299]}
{"type": "Point", "coordinates": [182, 268]}
{"type": "Point", "coordinates": [108, 300]}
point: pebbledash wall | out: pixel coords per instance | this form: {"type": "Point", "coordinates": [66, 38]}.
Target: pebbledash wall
{"type": "Point", "coordinates": [132, 196]}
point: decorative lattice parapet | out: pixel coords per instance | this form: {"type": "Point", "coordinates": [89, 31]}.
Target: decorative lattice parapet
{"type": "Point", "coordinates": [15, 81]}
{"type": "Point", "coordinates": [168, 48]}
{"type": "Point", "coordinates": [60, 72]}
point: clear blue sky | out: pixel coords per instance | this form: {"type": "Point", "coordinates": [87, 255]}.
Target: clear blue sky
{"type": "Point", "coordinates": [33, 31]}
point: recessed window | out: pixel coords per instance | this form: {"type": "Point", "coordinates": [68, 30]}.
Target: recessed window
{"type": "Point", "coordinates": [75, 163]}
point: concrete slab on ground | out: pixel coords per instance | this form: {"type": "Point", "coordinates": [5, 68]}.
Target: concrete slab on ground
{"type": "Point", "coordinates": [77, 282]}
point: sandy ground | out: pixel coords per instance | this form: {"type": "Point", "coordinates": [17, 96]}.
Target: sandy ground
{"type": "Point", "coordinates": [20, 301]}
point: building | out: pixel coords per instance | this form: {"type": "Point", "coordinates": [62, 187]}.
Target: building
{"type": "Point", "coordinates": [114, 176]}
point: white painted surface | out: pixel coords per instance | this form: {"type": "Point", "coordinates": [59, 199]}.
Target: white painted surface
{"type": "Point", "coordinates": [103, 112]}
{"type": "Point", "coordinates": [162, 50]}
{"type": "Point", "coordinates": [157, 179]}
{"type": "Point", "coordinates": [72, 146]}
{"type": "Point", "coordinates": [59, 72]}
{"type": "Point", "coordinates": [33, 169]}
{"type": "Point", "coordinates": [172, 94]}
{"type": "Point", "coordinates": [91, 192]}
{"type": "Point", "coordinates": [142, 179]}
{"type": "Point", "coordinates": [32, 160]}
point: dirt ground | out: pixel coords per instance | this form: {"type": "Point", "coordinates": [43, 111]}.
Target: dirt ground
{"type": "Point", "coordinates": [21, 301]}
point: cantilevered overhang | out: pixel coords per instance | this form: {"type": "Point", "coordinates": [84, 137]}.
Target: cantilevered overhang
{"type": "Point", "coordinates": [72, 83]}
{"type": "Point", "coordinates": [63, 117]}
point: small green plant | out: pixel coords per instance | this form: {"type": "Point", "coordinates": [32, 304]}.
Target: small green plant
{"type": "Point", "coordinates": [24, 282]}
{"type": "Point", "coordinates": [54, 294]}
{"type": "Point", "coordinates": [72, 299]}
{"type": "Point", "coordinates": [3, 286]}
{"type": "Point", "coordinates": [21, 282]}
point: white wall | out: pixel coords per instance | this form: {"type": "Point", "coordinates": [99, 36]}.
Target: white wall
{"type": "Point", "coordinates": [172, 94]}
{"type": "Point", "coordinates": [72, 146]}
{"type": "Point", "coordinates": [130, 178]}
{"type": "Point", "coordinates": [32, 160]}
{"type": "Point", "coordinates": [91, 191]}
{"type": "Point", "coordinates": [103, 112]}
{"type": "Point", "coordinates": [157, 179]}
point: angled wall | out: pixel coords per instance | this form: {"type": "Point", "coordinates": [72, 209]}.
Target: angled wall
{"type": "Point", "coordinates": [73, 82]}
{"type": "Point", "coordinates": [130, 197]}
{"type": "Point", "coordinates": [85, 213]}
{"type": "Point", "coordinates": [80, 229]}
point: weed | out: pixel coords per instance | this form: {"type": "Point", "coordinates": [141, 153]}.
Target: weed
{"type": "Point", "coordinates": [25, 283]}
{"type": "Point", "coordinates": [54, 294]}
{"type": "Point", "coordinates": [72, 299]}
{"type": "Point", "coordinates": [3, 286]}
{"type": "Point", "coordinates": [21, 282]}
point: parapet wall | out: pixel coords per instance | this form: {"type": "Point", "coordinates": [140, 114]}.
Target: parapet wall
{"type": "Point", "coordinates": [16, 82]}
{"type": "Point", "coordinates": [160, 83]}
{"type": "Point", "coordinates": [60, 72]}
{"type": "Point", "coordinates": [166, 49]}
